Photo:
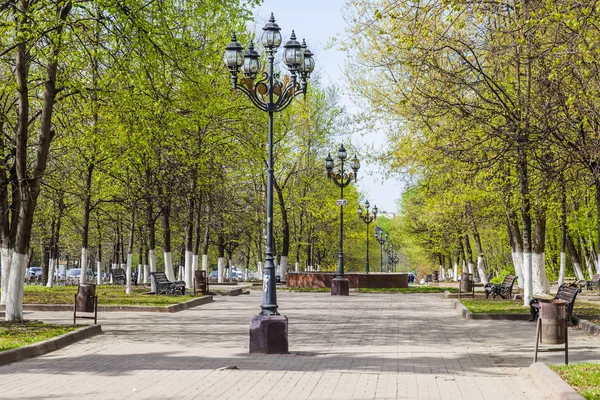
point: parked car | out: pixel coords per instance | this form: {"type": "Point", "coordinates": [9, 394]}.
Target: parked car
{"type": "Point", "coordinates": [213, 275]}
{"type": "Point", "coordinates": [74, 273]}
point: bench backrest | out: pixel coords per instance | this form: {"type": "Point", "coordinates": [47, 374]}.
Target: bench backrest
{"type": "Point", "coordinates": [509, 281]}
{"type": "Point", "coordinates": [160, 277]}
{"type": "Point", "coordinates": [595, 278]}
{"type": "Point", "coordinates": [567, 293]}
{"type": "Point", "coordinates": [118, 272]}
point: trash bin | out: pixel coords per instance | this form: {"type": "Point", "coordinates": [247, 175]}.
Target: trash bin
{"type": "Point", "coordinates": [429, 278]}
{"type": "Point", "coordinates": [85, 297]}
{"type": "Point", "coordinates": [554, 321]}
{"type": "Point", "coordinates": [435, 276]}
{"type": "Point", "coordinates": [201, 281]}
{"type": "Point", "coordinates": [86, 301]}
{"type": "Point", "coordinates": [466, 282]}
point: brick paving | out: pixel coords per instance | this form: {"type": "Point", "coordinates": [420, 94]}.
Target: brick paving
{"type": "Point", "coordinates": [365, 346]}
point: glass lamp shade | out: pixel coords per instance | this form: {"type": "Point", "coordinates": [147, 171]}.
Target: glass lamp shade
{"type": "Point", "coordinates": [329, 163]}
{"type": "Point", "coordinates": [367, 205]}
{"type": "Point", "coordinates": [360, 211]}
{"type": "Point", "coordinates": [293, 55]}
{"type": "Point", "coordinates": [355, 164]}
{"type": "Point", "coordinates": [251, 62]}
{"type": "Point", "coordinates": [308, 65]}
{"type": "Point", "coordinates": [342, 154]}
{"type": "Point", "coordinates": [271, 38]}
{"type": "Point", "coordinates": [233, 54]}
{"type": "Point", "coordinates": [375, 211]}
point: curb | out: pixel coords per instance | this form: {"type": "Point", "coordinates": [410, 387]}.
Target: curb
{"type": "Point", "coordinates": [466, 314]}
{"type": "Point", "coordinates": [47, 346]}
{"type": "Point", "coordinates": [550, 383]}
{"type": "Point", "coordinates": [587, 326]}
{"type": "Point", "coordinates": [170, 309]}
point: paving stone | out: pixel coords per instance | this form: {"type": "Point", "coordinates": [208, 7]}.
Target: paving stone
{"type": "Point", "coordinates": [364, 346]}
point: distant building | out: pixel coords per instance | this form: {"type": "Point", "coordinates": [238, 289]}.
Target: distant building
{"type": "Point", "coordinates": [385, 214]}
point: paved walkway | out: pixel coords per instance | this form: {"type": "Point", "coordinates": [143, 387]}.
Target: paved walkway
{"type": "Point", "coordinates": [366, 346]}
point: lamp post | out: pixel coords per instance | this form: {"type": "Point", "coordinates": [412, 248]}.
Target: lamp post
{"type": "Point", "coordinates": [393, 258]}
{"type": "Point", "coordinates": [367, 219]}
{"type": "Point", "coordinates": [268, 330]}
{"type": "Point", "coordinates": [381, 238]}
{"type": "Point", "coordinates": [340, 286]}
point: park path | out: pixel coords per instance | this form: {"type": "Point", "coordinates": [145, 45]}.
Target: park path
{"type": "Point", "coordinates": [365, 346]}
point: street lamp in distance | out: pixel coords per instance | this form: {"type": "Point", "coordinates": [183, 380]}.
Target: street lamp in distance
{"type": "Point", "coordinates": [367, 219]}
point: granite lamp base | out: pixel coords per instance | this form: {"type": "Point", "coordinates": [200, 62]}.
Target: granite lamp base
{"type": "Point", "coordinates": [269, 334]}
{"type": "Point", "coordinates": [340, 287]}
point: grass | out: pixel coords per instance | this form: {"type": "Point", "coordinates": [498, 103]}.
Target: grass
{"type": "Point", "coordinates": [496, 306]}
{"type": "Point", "coordinates": [587, 311]}
{"type": "Point", "coordinates": [18, 334]}
{"type": "Point", "coordinates": [410, 289]}
{"type": "Point", "coordinates": [583, 377]}
{"type": "Point", "coordinates": [107, 295]}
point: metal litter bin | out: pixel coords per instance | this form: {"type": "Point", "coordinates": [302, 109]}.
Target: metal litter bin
{"type": "Point", "coordinates": [552, 327]}
{"type": "Point", "coordinates": [86, 301]}
{"type": "Point", "coordinates": [554, 321]}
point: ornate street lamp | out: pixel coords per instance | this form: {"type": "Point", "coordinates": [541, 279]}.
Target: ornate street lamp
{"type": "Point", "coordinates": [268, 330]}
{"type": "Point", "coordinates": [342, 178]}
{"type": "Point", "coordinates": [367, 219]}
{"type": "Point", "coordinates": [392, 258]}
{"type": "Point", "coordinates": [381, 238]}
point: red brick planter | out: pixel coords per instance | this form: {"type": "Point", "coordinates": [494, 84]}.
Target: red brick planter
{"type": "Point", "coordinates": [357, 280]}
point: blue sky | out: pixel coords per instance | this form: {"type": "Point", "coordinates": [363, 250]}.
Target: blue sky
{"type": "Point", "coordinates": [317, 22]}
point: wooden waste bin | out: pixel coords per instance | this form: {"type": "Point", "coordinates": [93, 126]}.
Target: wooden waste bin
{"type": "Point", "coordinates": [466, 286]}
{"type": "Point", "coordinates": [201, 281]}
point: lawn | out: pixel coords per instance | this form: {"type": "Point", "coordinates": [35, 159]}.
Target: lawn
{"type": "Point", "coordinates": [18, 334]}
{"type": "Point", "coordinates": [587, 311]}
{"type": "Point", "coordinates": [583, 377]}
{"type": "Point", "coordinates": [107, 295]}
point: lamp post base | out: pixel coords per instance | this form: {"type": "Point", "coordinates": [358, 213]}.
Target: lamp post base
{"type": "Point", "coordinates": [340, 287]}
{"type": "Point", "coordinates": [269, 334]}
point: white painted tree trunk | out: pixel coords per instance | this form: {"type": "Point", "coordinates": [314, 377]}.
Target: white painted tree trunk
{"type": "Point", "coordinates": [189, 270]}
{"type": "Point", "coordinates": [169, 266]}
{"type": "Point", "coordinates": [128, 272]}
{"type": "Point", "coordinates": [6, 261]}
{"type": "Point", "coordinates": [146, 274]}
{"type": "Point", "coordinates": [229, 270]}
{"type": "Point", "coordinates": [481, 270]}
{"type": "Point", "coordinates": [283, 263]}
{"type": "Point", "coordinates": [297, 267]}
{"type": "Point", "coordinates": [98, 273]}
{"type": "Point", "coordinates": [540, 279]}
{"type": "Point", "coordinates": [220, 269]}
{"type": "Point", "coordinates": [180, 273]}
{"type": "Point", "coordinates": [246, 274]}
{"type": "Point", "coordinates": [259, 269]}
{"type": "Point", "coordinates": [598, 264]}
{"type": "Point", "coordinates": [527, 275]}
{"type": "Point", "coordinates": [204, 262]}
{"type": "Point", "coordinates": [51, 267]}
{"type": "Point", "coordinates": [14, 290]}
{"type": "Point", "coordinates": [195, 262]}
{"type": "Point", "coordinates": [470, 267]}
{"type": "Point", "coordinates": [578, 271]}
{"type": "Point", "coordinates": [588, 266]}
{"type": "Point", "coordinates": [442, 276]}
{"type": "Point", "coordinates": [517, 257]}
{"type": "Point", "coordinates": [139, 274]}
{"type": "Point", "coordinates": [563, 267]}
{"type": "Point", "coordinates": [455, 272]}
{"type": "Point", "coordinates": [83, 265]}
{"type": "Point", "coordinates": [152, 261]}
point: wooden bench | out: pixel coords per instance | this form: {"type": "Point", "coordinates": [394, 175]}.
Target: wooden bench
{"type": "Point", "coordinates": [119, 276]}
{"type": "Point", "coordinates": [165, 286]}
{"type": "Point", "coordinates": [566, 293]}
{"type": "Point", "coordinates": [593, 283]}
{"type": "Point", "coordinates": [503, 290]}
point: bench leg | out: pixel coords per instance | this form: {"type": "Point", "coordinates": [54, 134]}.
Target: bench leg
{"type": "Point", "coordinates": [537, 339]}
{"type": "Point", "coordinates": [566, 344]}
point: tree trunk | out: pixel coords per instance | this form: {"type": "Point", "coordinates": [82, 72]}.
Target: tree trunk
{"type": "Point", "coordinates": [130, 249]}
{"type": "Point", "coordinates": [166, 223]}
{"type": "Point", "coordinates": [516, 245]}
{"type": "Point", "coordinates": [575, 259]}
{"type": "Point", "coordinates": [469, 254]}
{"type": "Point", "coordinates": [221, 262]}
{"type": "Point", "coordinates": [563, 235]}
{"type": "Point", "coordinates": [540, 282]}
{"type": "Point", "coordinates": [189, 245]}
